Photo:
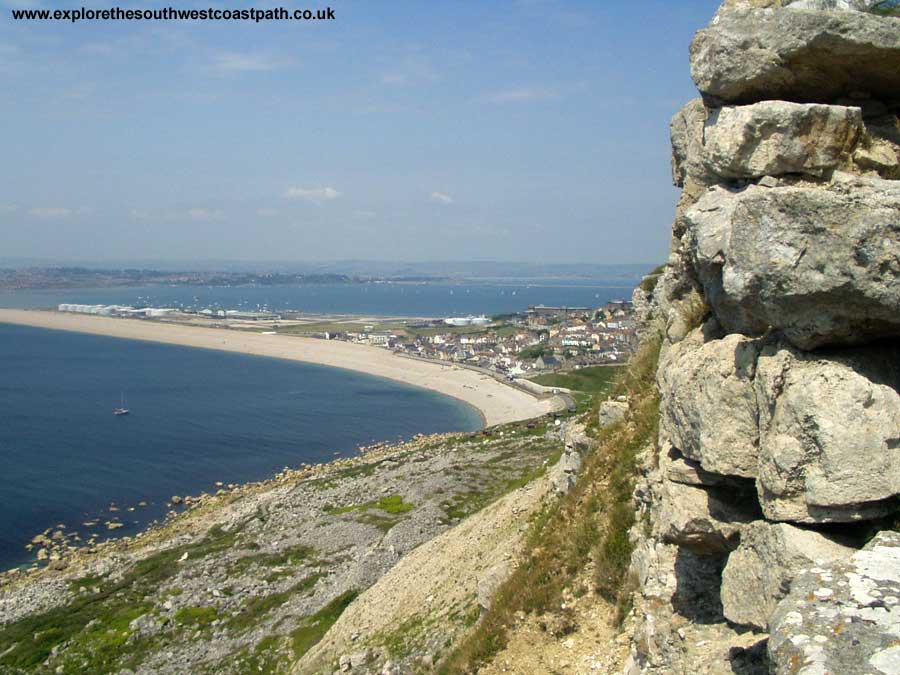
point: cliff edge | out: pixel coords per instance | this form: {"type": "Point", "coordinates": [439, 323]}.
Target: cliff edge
{"type": "Point", "coordinates": [779, 308]}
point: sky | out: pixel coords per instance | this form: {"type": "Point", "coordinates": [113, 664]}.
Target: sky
{"type": "Point", "coordinates": [529, 130]}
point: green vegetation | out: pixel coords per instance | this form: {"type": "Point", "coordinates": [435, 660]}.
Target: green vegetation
{"type": "Point", "coordinates": [503, 328]}
{"type": "Point", "coordinates": [594, 379]}
{"type": "Point", "coordinates": [292, 555]}
{"type": "Point", "coordinates": [196, 616]}
{"type": "Point", "coordinates": [463, 504]}
{"type": "Point", "coordinates": [695, 311]}
{"type": "Point", "coordinates": [648, 283]}
{"type": "Point", "coordinates": [323, 327]}
{"type": "Point", "coordinates": [392, 504]}
{"type": "Point", "coordinates": [590, 523]}
{"type": "Point", "coordinates": [253, 610]}
{"type": "Point", "coordinates": [108, 607]}
{"type": "Point", "coordinates": [534, 351]}
{"type": "Point", "coordinates": [312, 628]}
{"type": "Point", "coordinates": [265, 658]}
{"type": "Point", "coordinates": [276, 654]}
{"type": "Point", "coordinates": [397, 641]}
{"type": "Point", "coordinates": [886, 8]}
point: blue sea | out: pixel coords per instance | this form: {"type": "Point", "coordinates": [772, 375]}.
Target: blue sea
{"type": "Point", "coordinates": [197, 417]}
{"type": "Point", "coordinates": [373, 299]}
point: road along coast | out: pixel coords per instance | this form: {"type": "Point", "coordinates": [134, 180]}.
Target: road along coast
{"type": "Point", "coordinates": [497, 402]}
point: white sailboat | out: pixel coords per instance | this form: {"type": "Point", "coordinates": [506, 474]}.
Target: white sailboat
{"type": "Point", "coordinates": [121, 410]}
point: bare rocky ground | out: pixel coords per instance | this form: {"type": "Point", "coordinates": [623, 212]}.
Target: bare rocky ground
{"type": "Point", "coordinates": [579, 639]}
{"type": "Point", "coordinates": [249, 580]}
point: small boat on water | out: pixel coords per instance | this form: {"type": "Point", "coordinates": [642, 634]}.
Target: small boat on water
{"type": "Point", "coordinates": [121, 410]}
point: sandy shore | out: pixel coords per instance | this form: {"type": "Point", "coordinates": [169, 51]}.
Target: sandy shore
{"type": "Point", "coordinates": [497, 402]}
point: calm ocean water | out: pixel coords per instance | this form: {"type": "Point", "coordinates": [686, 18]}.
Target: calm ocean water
{"type": "Point", "coordinates": [197, 417]}
{"type": "Point", "coordinates": [431, 299]}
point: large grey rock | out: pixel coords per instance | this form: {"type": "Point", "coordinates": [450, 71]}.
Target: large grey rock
{"type": "Point", "coordinates": [772, 138]}
{"type": "Point", "coordinates": [490, 582]}
{"type": "Point", "coordinates": [677, 468]}
{"type": "Point", "coordinates": [678, 624]}
{"type": "Point", "coordinates": [750, 53]}
{"type": "Point", "coordinates": [686, 133]}
{"type": "Point", "coordinates": [703, 520]}
{"type": "Point", "coordinates": [829, 433]}
{"type": "Point", "coordinates": [759, 573]}
{"type": "Point", "coordinates": [708, 403]}
{"type": "Point", "coordinates": [819, 264]}
{"type": "Point", "coordinates": [610, 412]}
{"type": "Point", "coordinates": [878, 155]}
{"type": "Point", "coordinates": [843, 617]}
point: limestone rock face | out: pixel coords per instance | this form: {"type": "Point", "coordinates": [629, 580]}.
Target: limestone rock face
{"type": "Point", "coordinates": [678, 469]}
{"type": "Point", "coordinates": [490, 582]}
{"type": "Point", "coordinates": [750, 53]}
{"type": "Point", "coordinates": [779, 417]}
{"type": "Point", "coordinates": [829, 434]}
{"type": "Point", "coordinates": [772, 138]}
{"type": "Point", "coordinates": [843, 617]}
{"type": "Point", "coordinates": [819, 264]}
{"type": "Point", "coordinates": [686, 131]}
{"type": "Point", "coordinates": [708, 403]}
{"type": "Point", "coordinates": [759, 573]}
{"type": "Point", "coordinates": [703, 520]}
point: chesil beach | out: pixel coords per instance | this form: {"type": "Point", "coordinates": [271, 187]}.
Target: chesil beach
{"type": "Point", "coordinates": [497, 402]}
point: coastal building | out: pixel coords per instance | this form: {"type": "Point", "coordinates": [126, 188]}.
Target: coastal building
{"type": "Point", "coordinates": [251, 316]}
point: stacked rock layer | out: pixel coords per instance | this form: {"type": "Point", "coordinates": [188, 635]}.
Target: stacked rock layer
{"type": "Point", "coordinates": [779, 374]}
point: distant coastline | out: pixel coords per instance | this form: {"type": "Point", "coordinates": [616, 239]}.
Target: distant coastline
{"type": "Point", "coordinates": [497, 402]}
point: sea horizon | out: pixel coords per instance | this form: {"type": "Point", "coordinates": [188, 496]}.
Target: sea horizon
{"type": "Point", "coordinates": [432, 299]}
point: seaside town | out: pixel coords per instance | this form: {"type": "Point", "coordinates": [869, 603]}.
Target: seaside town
{"type": "Point", "coordinates": [541, 339]}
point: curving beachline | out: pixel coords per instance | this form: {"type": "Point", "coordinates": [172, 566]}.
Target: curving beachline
{"type": "Point", "coordinates": [497, 402]}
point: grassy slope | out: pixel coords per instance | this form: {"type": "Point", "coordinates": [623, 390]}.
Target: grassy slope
{"type": "Point", "coordinates": [594, 379]}
{"type": "Point", "coordinates": [589, 524]}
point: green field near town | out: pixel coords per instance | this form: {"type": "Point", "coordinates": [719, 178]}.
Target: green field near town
{"type": "Point", "coordinates": [593, 379]}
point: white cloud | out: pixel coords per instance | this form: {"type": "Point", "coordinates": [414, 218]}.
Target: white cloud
{"type": "Point", "coordinates": [411, 70]}
{"type": "Point", "coordinates": [441, 198]}
{"type": "Point", "coordinates": [316, 195]}
{"type": "Point", "coordinates": [364, 214]}
{"type": "Point", "coordinates": [6, 207]}
{"type": "Point", "coordinates": [50, 212]}
{"type": "Point", "coordinates": [199, 214]}
{"type": "Point", "coordinates": [267, 213]}
{"type": "Point", "coordinates": [246, 62]}
{"type": "Point", "coordinates": [139, 214]}
{"type": "Point", "coordinates": [522, 95]}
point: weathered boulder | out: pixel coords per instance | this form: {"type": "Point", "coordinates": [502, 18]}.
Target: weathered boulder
{"type": "Point", "coordinates": [490, 582]}
{"type": "Point", "coordinates": [843, 617]}
{"type": "Point", "coordinates": [708, 404]}
{"type": "Point", "coordinates": [759, 572]}
{"type": "Point", "coordinates": [829, 433]}
{"type": "Point", "coordinates": [679, 469]}
{"type": "Point", "coordinates": [818, 264]}
{"type": "Point", "coordinates": [686, 133]}
{"type": "Point", "coordinates": [878, 155]}
{"type": "Point", "coordinates": [703, 520]}
{"type": "Point", "coordinates": [678, 625]}
{"type": "Point", "coordinates": [576, 438]}
{"type": "Point", "coordinates": [772, 138]}
{"type": "Point", "coordinates": [750, 53]}
{"type": "Point", "coordinates": [610, 412]}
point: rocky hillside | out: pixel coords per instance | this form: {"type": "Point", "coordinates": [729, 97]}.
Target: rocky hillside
{"type": "Point", "coordinates": [250, 579]}
{"type": "Point", "coordinates": [763, 541]}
